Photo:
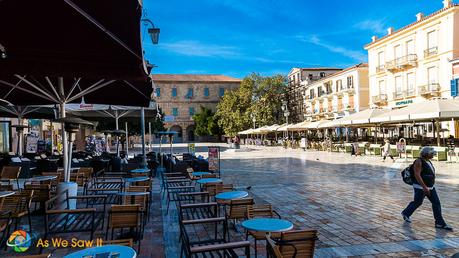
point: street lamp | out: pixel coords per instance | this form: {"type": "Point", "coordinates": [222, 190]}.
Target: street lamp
{"type": "Point", "coordinates": [285, 109]}
{"type": "Point", "coordinates": [254, 119]}
{"type": "Point", "coordinates": [153, 31]}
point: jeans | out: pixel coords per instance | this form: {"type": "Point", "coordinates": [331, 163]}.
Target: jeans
{"type": "Point", "coordinates": [418, 198]}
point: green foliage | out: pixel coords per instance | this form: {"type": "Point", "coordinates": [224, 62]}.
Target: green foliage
{"type": "Point", "coordinates": [205, 123]}
{"type": "Point", "coordinates": [257, 95]}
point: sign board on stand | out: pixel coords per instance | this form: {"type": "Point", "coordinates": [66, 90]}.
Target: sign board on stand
{"type": "Point", "coordinates": [214, 159]}
{"type": "Point", "coordinates": [191, 148]}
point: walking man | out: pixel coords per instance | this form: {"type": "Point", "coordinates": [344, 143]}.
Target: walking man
{"type": "Point", "coordinates": [386, 150]}
{"type": "Point", "coordinates": [423, 186]}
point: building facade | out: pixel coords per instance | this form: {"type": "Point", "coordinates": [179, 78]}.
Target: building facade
{"type": "Point", "coordinates": [180, 96]}
{"type": "Point", "coordinates": [298, 81]}
{"type": "Point", "coordinates": [338, 95]}
{"type": "Point", "coordinates": [413, 64]}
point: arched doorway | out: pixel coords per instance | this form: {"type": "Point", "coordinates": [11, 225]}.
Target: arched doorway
{"type": "Point", "coordinates": [190, 137]}
{"type": "Point", "coordinates": [178, 136]}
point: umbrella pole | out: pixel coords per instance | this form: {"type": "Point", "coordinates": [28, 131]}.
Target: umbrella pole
{"type": "Point", "coordinates": [117, 137]}
{"type": "Point", "coordinates": [127, 141]}
{"type": "Point", "coordinates": [52, 136]}
{"type": "Point", "coordinates": [437, 127]}
{"type": "Point", "coordinates": [142, 130]}
{"type": "Point", "coordinates": [149, 132]}
{"type": "Point", "coordinates": [65, 147]}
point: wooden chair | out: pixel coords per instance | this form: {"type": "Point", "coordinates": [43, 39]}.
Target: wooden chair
{"type": "Point", "coordinates": [173, 188]}
{"type": "Point", "coordinates": [41, 193]}
{"type": "Point", "coordinates": [53, 182]}
{"type": "Point", "coordinates": [295, 243]}
{"type": "Point", "coordinates": [238, 208]}
{"type": "Point", "coordinates": [209, 176]}
{"type": "Point", "coordinates": [212, 247]}
{"type": "Point", "coordinates": [123, 242]}
{"type": "Point", "coordinates": [19, 206]}
{"type": "Point", "coordinates": [263, 211]}
{"type": "Point", "coordinates": [10, 173]}
{"type": "Point", "coordinates": [5, 222]}
{"type": "Point", "coordinates": [125, 216]}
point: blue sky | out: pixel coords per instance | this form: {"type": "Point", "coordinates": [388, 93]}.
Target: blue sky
{"type": "Point", "coordinates": [236, 37]}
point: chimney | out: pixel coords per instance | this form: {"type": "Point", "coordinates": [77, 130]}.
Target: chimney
{"type": "Point", "coordinates": [390, 30]}
{"type": "Point", "coordinates": [447, 3]}
{"type": "Point", "coordinates": [419, 16]}
{"type": "Point", "coordinates": [374, 38]}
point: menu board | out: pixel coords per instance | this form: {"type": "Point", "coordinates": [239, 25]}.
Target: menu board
{"type": "Point", "coordinates": [32, 142]}
{"type": "Point", "coordinates": [214, 162]}
{"type": "Point", "coordinates": [191, 148]}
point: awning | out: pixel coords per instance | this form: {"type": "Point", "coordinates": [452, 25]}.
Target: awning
{"type": "Point", "coordinates": [329, 124]}
{"type": "Point", "coordinates": [299, 126]}
{"type": "Point", "coordinates": [316, 124]}
{"type": "Point", "coordinates": [283, 128]}
{"type": "Point", "coordinates": [362, 117]}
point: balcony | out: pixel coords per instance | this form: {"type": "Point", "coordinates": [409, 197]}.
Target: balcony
{"type": "Point", "coordinates": [410, 93]}
{"type": "Point", "coordinates": [430, 90]}
{"type": "Point", "coordinates": [430, 52]}
{"type": "Point", "coordinates": [403, 62]}
{"type": "Point", "coordinates": [349, 90]}
{"type": "Point", "coordinates": [398, 95]}
{"type": "Point", "coordinates": [380, 99]}
{"type": "Point", "coordinates": [380, 68]}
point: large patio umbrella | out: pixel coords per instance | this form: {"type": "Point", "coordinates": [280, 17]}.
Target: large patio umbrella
{"type": "Point", "coordinates": [362, 117]}
{"type": "Point", "coordinates": [80, 49]}
{"type": "Point", "coordinates": [316, 124]}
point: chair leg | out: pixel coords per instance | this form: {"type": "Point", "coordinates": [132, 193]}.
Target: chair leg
{"type": "Point", "coordinates": [30, 223]}
{"type": "Point", "coordinates": [256, 251]}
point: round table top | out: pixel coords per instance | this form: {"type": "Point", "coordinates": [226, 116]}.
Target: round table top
{"type": "Point", "coordinates": [136, 179]}
{"type": "Point", "coordinates": [6, 193]}
{"type": "Point", "coordinates": [267, 225]}
{"type": "Point", "coordinates": [200, 173]}
{"type": "Point", "coordinates": [41, 178]}
{"type": "Point", "coordinates": [231, 195]}
{"type": "Point", "coordinates": [209, 180]}
{"type": "Point", "coordinates": [123, 251]}
{"type": "Point", "coordinates": [140, 170]}
{"type": "Point", "coordinates": [133, 193]}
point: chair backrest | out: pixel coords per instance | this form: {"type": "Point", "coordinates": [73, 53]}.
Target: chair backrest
{"type": "Point", "coordinates": [124, 216]}
{"type": "Point", "coordinates": [209, 176]}
{"type": "Point", "coordinates": [224, 188]}
{"type": "Point", "coordinates": [298, 243]}
{"type": "Point", "coordinates": [86, 172]}
{"type": "Point", "coordinates": [56, 181]}
{"type": "Point", "coordinates": [189, 170]}
{"type": "Point", "coordinates": [238, 208]}
{"type": "Point", "coordinates": [124, 242]}
{"type": "Point", "coordinates": [41, 193]}
{"type": "Point", "coordinates": [263, 210]}
{"type": "Point", "coordinates": [212, 188]}
{"type": "Point", "coordinates": [10, 172]}
{"type": "Point", "coordinates": [19, 202]}
{"type": "Point", "coordinates": [139, 199]}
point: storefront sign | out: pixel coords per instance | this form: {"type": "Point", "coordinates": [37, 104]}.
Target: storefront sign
{"type": "Point", "coordinates": [404, 102]}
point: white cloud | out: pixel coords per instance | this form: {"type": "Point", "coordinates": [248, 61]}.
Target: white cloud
{"type": "Point", "coordinates": [354, 54]}
{"type": "Point", "coordinates": [375, 26]}
{"type": "Point", "coordinates": [199, 49]}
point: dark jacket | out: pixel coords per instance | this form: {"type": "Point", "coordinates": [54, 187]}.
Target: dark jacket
{"type": "Point", "coordinates": [427, 174]}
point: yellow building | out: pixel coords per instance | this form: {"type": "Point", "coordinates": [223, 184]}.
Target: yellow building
{"type": "Point", "coordinates": [412, 64]}
{"type": "Point", "coordinates": [338, 95]}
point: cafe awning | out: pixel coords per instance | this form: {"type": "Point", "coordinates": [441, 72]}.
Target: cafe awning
{"type": "Point", "coordinates": [316, 124]}
{"type": "Point", "coordinates": [362, 117]}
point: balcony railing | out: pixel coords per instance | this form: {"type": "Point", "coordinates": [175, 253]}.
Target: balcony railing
{"type": "Point", "coordinates": [398, 95]}
{"type": "Point", "coordinates": [430, 51]}
{"type": "Point", "coordinates": [380, 99]}
{"type": "Point", "coordinates": [432, 89]}
{"type": "Point", "coordinates": [380, 68]}
{"type": "Point", "coordinates": [402, 62]}
{"type": "Point", "coordinates": [410, 93]}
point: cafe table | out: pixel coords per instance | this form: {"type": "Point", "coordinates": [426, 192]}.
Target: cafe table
{"type": "Point", "coordinates": [132, 195]}
{"type": "Point", "coordinates": [209, 180]}
{"type": "Point", "coordinates": [41, 178]}
{"type": "Point", "coordinates": [200, 173]}
{"type": "Point", "coordinates": [231, 195]}
{"type": "Point", "coordinates": [267, 225]}
{"type": "Point", "coordinates": [136, 179]}
{"type": "Point", "coordinates": [105, 251]}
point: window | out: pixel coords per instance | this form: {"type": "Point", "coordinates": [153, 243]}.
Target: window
{"type": "Point", "coordinates": [174, 92]}
{"type": "Point", "coordinates": [191, 111]}
{"type": "Point", "coordinates": [410, 47]}
{"type": "Point", "coordinates": [221, 92]}
{"type": "Point", "coordinates": [350, 82]}
{"type": "Point", "coordinates": [432, 75]}
{"type": "Point", "coordinates": [382, 87]}
{"type": "Point", "coordinates": [380, 59]}
{"type": "Point", "coordinates": [158, 92]}
{"type": "Point", "coordinates": [189, 93]}
{"type": "Point", "coordinates": [206, 92]}
{"type": "Point", "coordinates": [432, 39]}
{"type": "Point", "coordinates": [397, 51]}
{"type": "Point", "coordinates": [339, 85]}
{"type": "Point", "coordinates": [398, 86]}
{"type": "Point", "coordinates": [175, 111]}
{"type": "Point", "coordinates": [410, 84]}
{"type": "Point", "coordinates": [322, 74]}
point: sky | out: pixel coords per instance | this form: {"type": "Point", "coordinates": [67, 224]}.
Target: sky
{"type": "Point", "coordinates": [238, 37]}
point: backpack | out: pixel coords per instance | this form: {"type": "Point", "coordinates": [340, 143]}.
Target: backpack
{"type": "Point", "coordinates": [408, 175]}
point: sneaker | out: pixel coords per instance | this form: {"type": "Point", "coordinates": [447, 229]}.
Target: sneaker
{"type": "Point", "coordinates": [445, 227]}
{"type": "Point", "coordinates": [406, 218]}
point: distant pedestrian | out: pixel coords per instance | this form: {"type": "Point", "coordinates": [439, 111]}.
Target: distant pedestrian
{"type": "Point", "coordinates": [386, 150]}
{"type": "Point", "coordinates": [424, 185]}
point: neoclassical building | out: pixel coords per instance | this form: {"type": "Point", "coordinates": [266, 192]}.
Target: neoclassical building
{"type": "Point", "coordinates": [180, 96]}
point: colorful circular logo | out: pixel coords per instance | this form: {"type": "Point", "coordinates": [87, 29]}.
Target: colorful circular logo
{"type": "Point", "coordinates": [20, 241]}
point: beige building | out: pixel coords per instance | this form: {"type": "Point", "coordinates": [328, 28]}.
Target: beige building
{"type": "Point", "coordinates": [412, 64]}
{"type": "Point", "coordinates": [180, 96]}
{"type": "Point", "coordinates": [338, 95]}
{"type": "Point", "coordinates": [298, 80]}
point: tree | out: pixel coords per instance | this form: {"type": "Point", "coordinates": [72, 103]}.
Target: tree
{"type": "Point", "coordinates": [259, 96]}
{"type": "Point", "coordinates": [205, 123]}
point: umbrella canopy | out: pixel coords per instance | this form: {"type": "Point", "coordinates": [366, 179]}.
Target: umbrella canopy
{"type": "Point", "coordinates": [104, 111]}
{"type": "Point", "coordinates": [81, 47]}
{"type": "Point", "coordinates": [329, 124]}
{"type": "Point", "coordinates": [283, 128]}
{"type": "Point", "coordinates": [437, 109]}
{"type": "Point", "coordinates": [362, 117]}
{"type": "Point", "coordinates": [316, 124]}
{"type": "Point", "coordinates": [29, 112]}
{"type": "Point", "coordinates": [299, 126]}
